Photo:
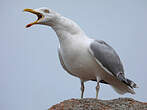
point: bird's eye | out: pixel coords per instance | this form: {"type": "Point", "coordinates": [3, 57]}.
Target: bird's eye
{"type": "Point", "coordinates": [46, 11]}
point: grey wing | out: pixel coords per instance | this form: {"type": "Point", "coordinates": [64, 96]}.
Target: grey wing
{"type": "Point", "coordinates": [107, 56]}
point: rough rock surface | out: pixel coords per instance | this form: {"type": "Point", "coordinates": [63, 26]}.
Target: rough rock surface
{"type": "Point", "coordinates": [94, 104]}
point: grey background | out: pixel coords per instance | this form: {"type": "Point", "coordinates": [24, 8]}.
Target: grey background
{"type": "Point", "coordinates": [31, 77]}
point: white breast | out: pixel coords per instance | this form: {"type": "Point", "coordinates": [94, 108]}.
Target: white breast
{"type": "Point", "coordinates": [77, 58]}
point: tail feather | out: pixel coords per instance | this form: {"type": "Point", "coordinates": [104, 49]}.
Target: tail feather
{"type": "Point", "coordinates": [129, 82]}
{"type": "Point", "coordinates": [120, 84]}
{"type": "Point", "coordinates": [123, 89]}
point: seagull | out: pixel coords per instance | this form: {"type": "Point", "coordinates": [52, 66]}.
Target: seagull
{"type": "Point", "coordinates": [82, 56]}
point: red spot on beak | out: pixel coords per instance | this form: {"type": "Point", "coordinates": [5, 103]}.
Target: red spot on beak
{"type": "Point", "coordinates": [29, 25]}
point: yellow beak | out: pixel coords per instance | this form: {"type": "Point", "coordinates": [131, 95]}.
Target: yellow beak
{"type": "Point", "coordinates": [39, 15]}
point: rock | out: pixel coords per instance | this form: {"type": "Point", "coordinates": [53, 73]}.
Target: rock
{"type": "Point", "coordinates": [94, 104]}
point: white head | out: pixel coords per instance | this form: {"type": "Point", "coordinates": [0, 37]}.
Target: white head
{"type": "Point", "coordinates": [60, 24]}
{"type": "Point", "coordinates": [45, 16]}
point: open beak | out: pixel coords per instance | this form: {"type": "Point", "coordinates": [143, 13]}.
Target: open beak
{"type": "Point", "coordinates": [39, 15]}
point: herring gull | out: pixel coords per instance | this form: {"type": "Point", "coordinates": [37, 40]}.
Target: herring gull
{"type": "Point", "coordinates": [82, 56]}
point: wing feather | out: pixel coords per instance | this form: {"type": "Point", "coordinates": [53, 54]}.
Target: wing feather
{"type": "Point", "coordinates": [107, 56]}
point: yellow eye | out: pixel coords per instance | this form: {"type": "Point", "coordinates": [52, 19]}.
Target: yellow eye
{"type": "Point", "coordinates": [46, 11]}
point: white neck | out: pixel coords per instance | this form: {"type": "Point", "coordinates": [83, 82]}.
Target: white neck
{"type": "Point", "coordinates": [66, 28]}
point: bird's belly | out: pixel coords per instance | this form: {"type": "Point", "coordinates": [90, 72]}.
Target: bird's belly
{"type": "Point", "coordinates": [80, 63]}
